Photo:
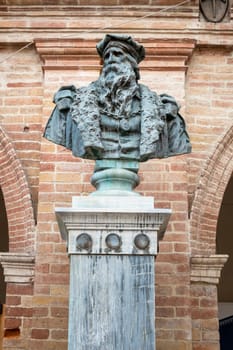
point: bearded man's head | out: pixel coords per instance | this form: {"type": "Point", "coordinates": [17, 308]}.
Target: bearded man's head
{"type": "Point", "coordinates": [118, 82]}
{"type": "Point", "coordinates": [119, 76]}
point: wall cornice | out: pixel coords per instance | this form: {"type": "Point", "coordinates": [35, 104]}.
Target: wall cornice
{"type": "Point", "coordinates": [169, 55]}
{"type": "Point", "coordinates": [100, 7]}
{"type": "Point", "coordinates": [207, 269]}
{"type": "Point", "coordinates": [18, 267]}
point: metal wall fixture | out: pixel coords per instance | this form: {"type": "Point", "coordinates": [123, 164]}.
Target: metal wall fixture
{"type": "Point", "coordinates": [215, 10]}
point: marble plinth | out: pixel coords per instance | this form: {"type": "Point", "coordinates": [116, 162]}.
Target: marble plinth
{"type": "Point", "coordinates": [112, 243]}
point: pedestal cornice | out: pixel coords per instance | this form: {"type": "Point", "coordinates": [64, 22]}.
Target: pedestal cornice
{"type": "Point", "coordinates": [95, 219]}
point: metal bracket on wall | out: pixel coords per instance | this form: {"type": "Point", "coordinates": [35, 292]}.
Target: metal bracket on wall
{"type": "Point", "coordinates": [215, 10]}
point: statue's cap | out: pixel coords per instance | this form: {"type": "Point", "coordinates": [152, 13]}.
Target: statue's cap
{"type": "Point", "coordinates": [123, 41]}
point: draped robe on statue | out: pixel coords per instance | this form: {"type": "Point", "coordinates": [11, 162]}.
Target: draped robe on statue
{"type": "Point", "coordinates": [154, 129]}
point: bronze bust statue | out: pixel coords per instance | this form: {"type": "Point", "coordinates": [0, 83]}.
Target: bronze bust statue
{"type": "Point", "coordinates": [115, 117]}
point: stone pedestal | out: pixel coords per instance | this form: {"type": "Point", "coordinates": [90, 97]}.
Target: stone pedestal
{"type": "Point", "coordinates": [112, 244]}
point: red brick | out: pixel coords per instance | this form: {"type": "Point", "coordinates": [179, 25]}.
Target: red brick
{"type": "Point", "coordinates": [165, 312]}
{"type": "Point", "coordinates": [208, 302]}
{"type": "Point", "coordinates": [13, 300]}
{"type": "Point", "coordinates": [40, 333]}
{"type": "Point", "coordinates": [182, 334]}
{"type": "Point", "coordinates": [40, 311]}
{"type": "Point", "coordinates": [59, 311]}
{"type": "Point", "coordinates": [182, 312]}
{"type": "Point", "coordinates": [208, 346]}
{"type": "Point", "coordinates": [19, 289]}
{"type": "Point", "coordinates": [60, 268]}
{"type": "Point", "coordinates": [204, 313]}
{"type": "Point", "coordinates": [19, 311]}
{"type": "Point", "coordinates": [59, 334]}
{"type": "Point", "coordinates": [12, 323]}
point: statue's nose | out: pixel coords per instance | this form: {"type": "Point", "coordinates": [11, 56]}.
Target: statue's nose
{"type": "Point", "coordinates": [111, 56]}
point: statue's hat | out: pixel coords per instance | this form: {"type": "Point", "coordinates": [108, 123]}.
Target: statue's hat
{"type": "Point", "coordinates": [123, 41]}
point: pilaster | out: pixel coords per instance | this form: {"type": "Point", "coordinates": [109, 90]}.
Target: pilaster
{"type": "Point", "coordinates": [18, 271]}
{"type": "Point", "coordinates": [205, 274]}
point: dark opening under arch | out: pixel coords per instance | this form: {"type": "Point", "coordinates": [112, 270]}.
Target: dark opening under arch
{"type": "Point", "coordinates": [225, 287]}
{"type": "Point", "coordinates": [4, 244]}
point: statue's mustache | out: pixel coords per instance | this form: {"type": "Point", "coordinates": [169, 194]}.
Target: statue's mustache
{"type": "Point", "coordinates": [112, 66]}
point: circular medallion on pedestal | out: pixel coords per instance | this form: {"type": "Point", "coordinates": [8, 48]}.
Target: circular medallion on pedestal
{"type": "Point", "coordinates": [113, 241]}
{"type": "Point", "coordinates": [142, 241]}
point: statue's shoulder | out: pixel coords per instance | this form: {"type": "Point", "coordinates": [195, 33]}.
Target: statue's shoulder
{"type": "Point", "coordinates": [146, 92]}
{"type": "Point", "coordinates": [67, 91]}
{"type": "Point", "coordinates": [168, 99]}
{"type": "Point", "coordinates": [144, 89]}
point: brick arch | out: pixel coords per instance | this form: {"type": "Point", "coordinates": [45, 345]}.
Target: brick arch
{"type": "Point", "coordinates": [17, 198]}
{"type": "Point", "coordinates": [209, 194]}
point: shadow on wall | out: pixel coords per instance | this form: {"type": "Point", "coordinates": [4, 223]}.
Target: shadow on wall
{"type": "Point", "coordinates": [225, 288]}
{"type": "Point", "coordinates": [4, 244]}
{"type": "Point", "coordinates": [226, 333]}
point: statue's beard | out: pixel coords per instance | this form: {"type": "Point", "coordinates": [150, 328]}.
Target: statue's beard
{"type": "Point", "coordinates": [118, 85]}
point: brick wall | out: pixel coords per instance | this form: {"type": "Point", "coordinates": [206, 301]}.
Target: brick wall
{"type": "Point", "coordinates": [36, 312]}
{"type": "Point", "coordinates": [18, 316]}
{"type": "Point", "coordinates": [208, 105]}
{"type": "Point", "coordinates": [21, 109]}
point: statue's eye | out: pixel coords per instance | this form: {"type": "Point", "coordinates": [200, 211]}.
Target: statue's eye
{"type": "Point", "coordinates": [113, 53]}
{"type": "Point", "coordinates": [117, 53]}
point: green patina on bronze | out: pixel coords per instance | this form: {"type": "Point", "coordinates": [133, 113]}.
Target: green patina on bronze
{"type": "Point", "coordinates": [115, 120]}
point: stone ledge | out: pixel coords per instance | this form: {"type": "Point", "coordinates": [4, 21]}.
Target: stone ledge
{"type": "Point", "coordinates": [100, 8]}
{"type": "Point", "coordinates": [81, 54]}
{"type": "Point", "coordinates": [18, 267]}
{"type": "Point", "coordinates": [207, 269]}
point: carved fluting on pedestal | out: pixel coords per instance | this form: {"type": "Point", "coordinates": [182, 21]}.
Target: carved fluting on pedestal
{"type": "Point", "coordinates": [112, 303]}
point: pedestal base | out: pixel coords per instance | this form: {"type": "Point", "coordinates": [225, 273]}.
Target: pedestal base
{"type": "Point", "coordinates": [112, 303]}
{"type": "Point", "coordinates": [112, 244]}
{"type": "Point", "coordinates": [115, 182]}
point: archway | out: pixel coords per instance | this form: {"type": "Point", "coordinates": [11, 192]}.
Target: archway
{"type": "Point", "coordinates": [209, 194]}
{"type": "Point", "coordinates": [17, 198]}
{"type": "Point", "coordinates": [17, 239]}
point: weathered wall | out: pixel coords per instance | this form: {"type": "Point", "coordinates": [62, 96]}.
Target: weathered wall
{"type": "Point", "coordinates": [188, 59]}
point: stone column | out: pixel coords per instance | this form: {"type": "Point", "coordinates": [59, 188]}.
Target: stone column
{"type": "Point", "coordinates": [112, 243]}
